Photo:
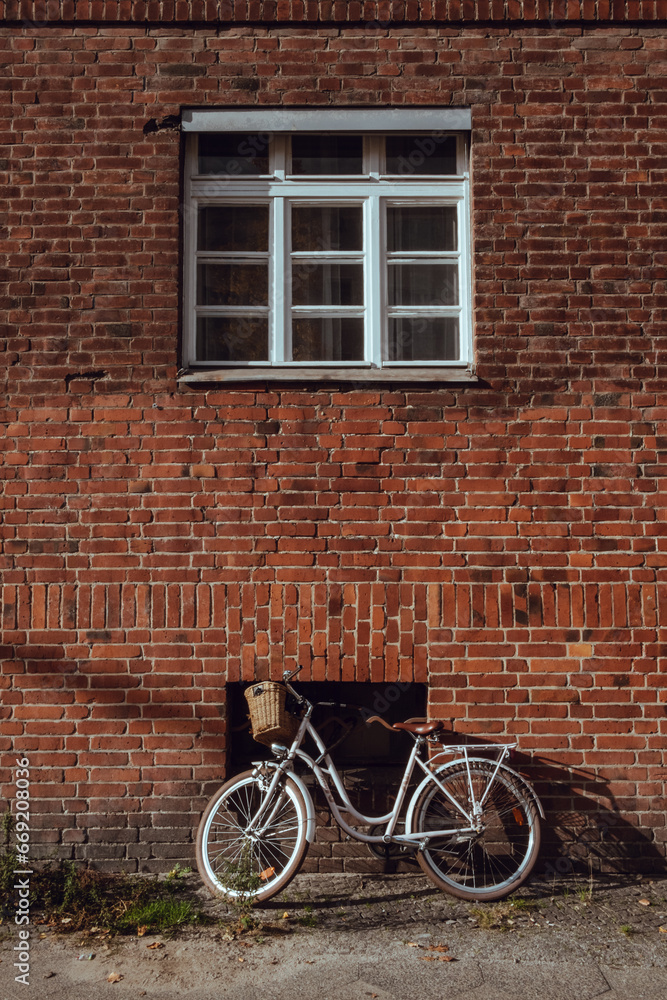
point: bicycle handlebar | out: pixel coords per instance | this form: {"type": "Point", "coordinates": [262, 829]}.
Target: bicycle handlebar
{"type": "Point", "coordinates": [376, 718]}
{"type": "Point", "coordinates": [287, 677]}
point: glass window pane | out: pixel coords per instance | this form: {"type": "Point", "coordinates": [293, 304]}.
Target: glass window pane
{"type": "Point", "coordinates": [232, 338]}
{"type": "Point", "coordinates": [421, 154]}
{"type": "Point", "coordinates": [328, 338]}
{"type": "Point", "coordinates": [327, 284]}
{"type": "Point", "coordinates": [327, 227]}
{"type": "Point", "coordinates": [232, 285]}
{"type": "Point", "coordinates": [423, 338]}
{"type": "Point", "coordinates": [423, 285]}
{"type": "Point", "coordinates": [234, 154]}
{"type": "Point", "coordinates": [327, 154]}
{"type": "Point", "coordinates": [233, 228]}
{"type": "Point", "coordinates": [421, 227]}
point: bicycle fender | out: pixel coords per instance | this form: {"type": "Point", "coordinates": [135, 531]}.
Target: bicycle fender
{"type": "Point", "coordinates": [310, 808]}
{"type": "Point", "coordinates": [529, 790]}
{"type": "Point", "coordinates": [305, 794]}
{"type": "Point", "coordinates": [526, 787]}
{"type": "Point", "coordinates": [415, 798]}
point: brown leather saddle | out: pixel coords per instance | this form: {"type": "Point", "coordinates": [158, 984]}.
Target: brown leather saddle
{"type": "Point", "coordinates": [417, 726]}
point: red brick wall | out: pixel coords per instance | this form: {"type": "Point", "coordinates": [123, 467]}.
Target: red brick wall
{"type": "Point", "coordinates": [341, 11]}
{"type": "Point", "coordinates": [501, 542]}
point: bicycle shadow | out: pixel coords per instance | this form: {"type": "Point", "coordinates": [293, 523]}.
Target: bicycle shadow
{"type": "Point", "coordinates": [585, 831]}
{"type": "Point", "coordinates": [346, 899]}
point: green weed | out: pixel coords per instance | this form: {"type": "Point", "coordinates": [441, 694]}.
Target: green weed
{"type": "Point", "coordinates": [75, 899]}
{"type": "Point", "coordinates": [523, 904]}
{"type": "Point", "coordinates": [178, 872]}
{"type": "Point", "coordinates": [241, 878]}
{"type": "Point", "coordinates": [9, 861]}
{"type": "Point", "coordinates": [491, 916]}
{"type": "Point", "coordinates": [157, 915]}
{"type": "Point", "coordinates": [309, 919]}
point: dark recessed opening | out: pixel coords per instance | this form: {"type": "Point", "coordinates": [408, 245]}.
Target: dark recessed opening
{"type": "Point", "coordinates": [362, 745]}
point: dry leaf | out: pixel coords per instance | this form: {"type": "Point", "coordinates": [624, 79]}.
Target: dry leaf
{"type": "Point", "coordinates": [156, 944]}
{"type": "Point", "coordinates": [663, 930]}
{"type": "Point", "coordinates": [413, 944]}
{"type": "Point", "coordinates": [142, 930]}
{"type": "Point", "coordinates": [428, 958]}
{"type": "Point", "coordinates": [241, 959]}
{"type": "Point", "coordinates": [644, 902]}
{"type": "Point", "coordinates": [114, 977]}
{"type": "Point", "coordinates": [285, 915]}
{"type": "Point", "coordinates": [267, 873]}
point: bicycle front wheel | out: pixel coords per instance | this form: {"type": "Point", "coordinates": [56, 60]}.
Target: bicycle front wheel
{"type": "Point", "coordinates": [236, 862]}
{"type": "Point", "coordinates": [494, 859]}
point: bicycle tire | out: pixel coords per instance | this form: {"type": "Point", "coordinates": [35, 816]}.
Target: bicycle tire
{"type": "Point", "coordinates": [234, 865]}
{"type": "Point", "coordinates": [494, 862]}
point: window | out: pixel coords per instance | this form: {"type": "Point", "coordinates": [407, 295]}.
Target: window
{"type": "Point", "coordinates": [326, 253]}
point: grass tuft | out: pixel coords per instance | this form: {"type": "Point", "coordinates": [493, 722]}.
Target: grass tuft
{"type": "Point", "coordinates": [309, 919]}
{"type": "Point", "coordinates": [77, 899]}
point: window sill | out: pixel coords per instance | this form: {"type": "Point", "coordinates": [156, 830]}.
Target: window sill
{"type": "Point", "coordinates": [194, 376]}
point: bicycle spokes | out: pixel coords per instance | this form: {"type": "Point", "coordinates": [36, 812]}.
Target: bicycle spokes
{"type": "Point", "coordinates": [250, 841]}
{"type": "Point", "coordinates": [487, 858]}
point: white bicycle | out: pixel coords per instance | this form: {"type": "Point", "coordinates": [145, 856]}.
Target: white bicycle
{"type": "Point", "coordinates": [473, 821]}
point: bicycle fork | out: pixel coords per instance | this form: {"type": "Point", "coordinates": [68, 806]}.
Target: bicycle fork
{"type": "Point", "coordinates": [254, 830]}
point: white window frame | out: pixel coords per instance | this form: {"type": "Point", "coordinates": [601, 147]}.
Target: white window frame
{"type": "Point", "coordinates": [373, 190]}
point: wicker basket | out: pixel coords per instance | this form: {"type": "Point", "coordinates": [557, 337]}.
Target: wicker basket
{"type": "Point", "coordinates": [270, 721]}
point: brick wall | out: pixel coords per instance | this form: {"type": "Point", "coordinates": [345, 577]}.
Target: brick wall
{"type": "Point", "coordinates": [501, 542]}
{"type": "Point", "coordinates": [322, 11]}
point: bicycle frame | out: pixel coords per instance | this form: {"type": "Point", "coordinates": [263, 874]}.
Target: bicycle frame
{"type": "Point", "coordinates": [329, 771]}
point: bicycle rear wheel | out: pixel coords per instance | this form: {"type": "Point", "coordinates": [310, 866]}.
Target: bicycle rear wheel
{"type": "Point", "coordinates": [490, 863]}
{"type": "Point", "coordinates": [238, 864]}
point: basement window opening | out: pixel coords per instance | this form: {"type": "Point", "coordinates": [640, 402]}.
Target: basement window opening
{"type": "Point", "coordinates": [361, 745]}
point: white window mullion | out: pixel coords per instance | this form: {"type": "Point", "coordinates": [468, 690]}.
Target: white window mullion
{"type": "Point", "coordinates": [465, 278]}
{"type": "Point", "coordinates": [278, 296]}
{"type": "Point", "coordinates": [278, 155]}
{"type": "Point", "coordinates": [190, 251]}
{"type": "Point", "coordinates": [278, 325]}
{"type": "Point", "coordinates": [373, 164]}
{"type": "Point", "coordinates": [373, 284]}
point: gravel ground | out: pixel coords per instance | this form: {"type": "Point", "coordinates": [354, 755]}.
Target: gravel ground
{"type": "Point", "coordinates": [607, 917]}
{"type": "Point", "coordinates": [354, 937]}
{"type": "Point", "coordinates": [610, 920]}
